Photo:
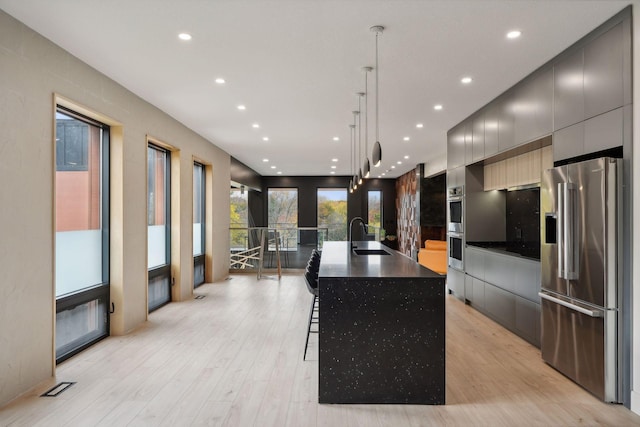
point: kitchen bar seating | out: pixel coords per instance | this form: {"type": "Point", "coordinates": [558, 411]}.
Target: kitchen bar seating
{"type": "Point", "coordinates": [311, 279]}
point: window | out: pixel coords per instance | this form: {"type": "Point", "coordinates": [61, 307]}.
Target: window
{"type": "Point", "coordinates": [199, 195]}
{"type": "Point", "coordinates": [374, 213]}
{"type": "Point", "coordinates": [239, 219]}
{"type": "Point", "coordinates": [82, 232]}
{"type": "Point", "coordinates": [332, 212]}
{"type": "Point", "coordinates": [283, 214]}
{"type": "Point", "coordinates": [158, 226]}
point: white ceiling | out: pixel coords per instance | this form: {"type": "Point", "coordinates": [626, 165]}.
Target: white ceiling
{"type": "Point", "coordinates": [297, 65]}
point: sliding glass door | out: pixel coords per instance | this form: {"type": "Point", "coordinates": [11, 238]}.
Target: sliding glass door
{"type": "Point", "coordinates": [82, 232]}
{"type": "Point", "coordinates": [158, 226]}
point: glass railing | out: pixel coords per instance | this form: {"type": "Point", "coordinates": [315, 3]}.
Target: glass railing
{"type": "Point", "coordinates": [257, 249]}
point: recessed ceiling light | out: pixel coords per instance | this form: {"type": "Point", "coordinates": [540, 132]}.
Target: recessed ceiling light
{"type": "Point", "coordinates": [437, 107]}
{"type": "Point", "coordinates": [241, 107]}
{"type": "Point", "coordinates": [399, 162]}
{"type": "Point", "coordinates": [220, 81]}
{"type": "Point", "coordinates": [333, 167]}
{"type": "Point", "coordinates": [184, 36]}
{"type": "Point", "coordinates": [419, 125]}
{"type": "Point", "coordinates": [333, 172]}
{"type": "Point", "coordinates": [406, 138]}
{"type": "Point", "coordinates": [383, 174]}
{"type": "Point", "coordinates": [466, 80]}
{"type": "Point", "coordinates": [273, 167]}
{"type": "Point", "coordinates": [265, 160]}
{"type": "Point", "coordinates": [514, 34]}
{"type": "Point", "coordinates": [255, 126]}
{"type": "Point", "coordinates": [279, 173]}
{"type": "Point", "coordinates": [265, 138]}
{"type": "Point", "coordinates": [393, 167]}
{"type": "Point", "coordinates": [334, 160]}
{"type": "Point", "coordinates": [335, 138]}
{"type": "Point", "coordinates": [406, 157]}
{"type": "Point", "coordinates": [378, 176]}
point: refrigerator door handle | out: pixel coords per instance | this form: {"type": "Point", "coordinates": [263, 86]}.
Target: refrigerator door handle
{"type": "Point", "coordinates": [590, 313]}
{"type": "Point", "coordinates": [560, 230]}
{"type": "Point", "coordinates": [571, 266]}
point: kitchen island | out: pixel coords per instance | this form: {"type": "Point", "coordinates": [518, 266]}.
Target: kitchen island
{"type": "Point", "coordinates": [382, 327]}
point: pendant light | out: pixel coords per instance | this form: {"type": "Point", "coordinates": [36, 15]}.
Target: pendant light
{"type": "Point", "coordinates": [360, 95]}
{"type": "Point", "coordinates": [355, 121]}
{"type": "Point", "coordinates": [351, 132]}
{"type": "Point", "coordinates": [376, 156]}
{"type": "Point", "coordinates": [366, 168]}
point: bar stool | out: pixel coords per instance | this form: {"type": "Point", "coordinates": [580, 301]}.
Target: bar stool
{"type": "Point", "coordinates": [311, 279]}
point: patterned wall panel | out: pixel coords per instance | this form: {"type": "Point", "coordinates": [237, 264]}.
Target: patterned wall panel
{"type": "Point", "coordinates": [407, 214]}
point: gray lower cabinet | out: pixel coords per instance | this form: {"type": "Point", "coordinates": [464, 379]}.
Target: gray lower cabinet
{"type": "Point", "coordinates": [505, 288]}
{"type": "Point", "coordinates": [455, 282]}
{"type": "Point", "coordinates": [527, 323]}
{"type": "Point", "coordinates": [478, 294]}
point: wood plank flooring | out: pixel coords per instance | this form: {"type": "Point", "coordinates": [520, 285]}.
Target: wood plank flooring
{"type": "Point", "coordinates": [234, 358]}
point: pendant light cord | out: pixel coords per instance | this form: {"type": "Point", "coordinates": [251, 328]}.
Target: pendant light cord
{"type": "Point", "coordinates": [377, 91]}
{"type": "Point", "coordinates": [366, 113]}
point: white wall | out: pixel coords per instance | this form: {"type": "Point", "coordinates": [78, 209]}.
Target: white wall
{"type": "Point", "coordinates": [32, 70]}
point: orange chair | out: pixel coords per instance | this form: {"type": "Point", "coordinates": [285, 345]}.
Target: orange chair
{"type": "Point", "coordinates": [434, 256]}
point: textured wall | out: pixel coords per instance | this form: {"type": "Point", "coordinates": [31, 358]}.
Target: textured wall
{"type": "Point", "coordinates": [407, 214]}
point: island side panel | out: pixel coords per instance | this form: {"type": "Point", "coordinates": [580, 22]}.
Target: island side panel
{"type": "Point", "coordinates": [382, 340]}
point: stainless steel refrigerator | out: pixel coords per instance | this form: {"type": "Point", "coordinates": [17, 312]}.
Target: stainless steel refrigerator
{"type": "Point", "coordinates": [579, 205]}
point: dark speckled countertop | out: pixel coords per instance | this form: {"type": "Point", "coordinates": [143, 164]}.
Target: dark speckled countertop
{"type": "Point", "coordinates": [339, 261]}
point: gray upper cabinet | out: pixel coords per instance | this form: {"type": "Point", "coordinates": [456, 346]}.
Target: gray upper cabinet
{"type": "Point", "coordinates": [477, 153]}
{"type": "Point", "coordinates": [568, 89]}
{"type": "Point", "coordinates": [603, 73]}
{"type": "Point", "coordinates": [491, 113]}
{"type": "Point", "coordinates": [468, 141]}
{"type": "Point", "coordinates": [533, 106]}
{"type": "Point", "coordinates": [506, 128]}
{"type": "Point", "coordinates": [456, 147]}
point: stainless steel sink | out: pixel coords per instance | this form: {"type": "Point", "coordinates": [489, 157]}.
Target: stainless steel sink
{"type": "Point", "coordinates": [370, 252]}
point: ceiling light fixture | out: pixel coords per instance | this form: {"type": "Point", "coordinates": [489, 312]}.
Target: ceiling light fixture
{"type": "Point", "coordinates": [366, 167]}
{"type": "Point", "coordinates": [333, 172]}
{"type": "Point", "coordinates": [406, 138]}
{"type": "Point", "coordinates": [399, 162]}
{"type": "Point", "coordinates": [255, 125]}
{"type": "Point", "coordinates": [220, 81]}
{"type": "Point", "coordinates": [279, 173]}
{"type": "Point", "coordinates": [273, 167]}
{"type": "Point", "coordinates": [406, 157]}
{"type": "Point", "coordinates": [351, 137]}
{"type": "Point", "coordinates": [184, 36]}
{"type": "Point", "coordinates": [356, 115]}
{"type": "Point", "coordinates": [376, 156]}
{"type": "Point", "coordinates": [419, 125]}
{"type": "Point", "coordinates": [334, 160]}
{"type": "Point", "coordinates": [265, 138]}
{"type": "Point", "coordinates": [265, 160]}
{"type": "Point", "coordinates": [333, 167]}
{"type": "Point", "coordinates": [437, 107]}
{"type": "Point", "coordinates": [335, 138]}
{"type": "Point", "coordinates": [393, 166]}
{"type": "Point", "coordinates": [242, 107]}
{"type": "Point", "coordinates": [514, 34]}
{"type": "Point", "coordinates": [466, 80]}
{"type": "Point", "coordinates": [360, 95]}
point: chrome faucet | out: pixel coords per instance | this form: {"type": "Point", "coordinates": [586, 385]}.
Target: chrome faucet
{"type": "Point", "coordinates": [357, 218]}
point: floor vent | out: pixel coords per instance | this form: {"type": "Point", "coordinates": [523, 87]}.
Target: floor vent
{"type": "Point", "coordinates": [200, 296]}
{"type": "Point", "coordinates": [57, 389]}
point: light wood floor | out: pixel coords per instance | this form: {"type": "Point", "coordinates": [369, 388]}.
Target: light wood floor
{"type": "Point", "coordinates": [235, 358]}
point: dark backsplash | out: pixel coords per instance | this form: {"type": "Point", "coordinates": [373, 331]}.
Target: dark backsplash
{"type": "Point", "coordinates": [523, 222]}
